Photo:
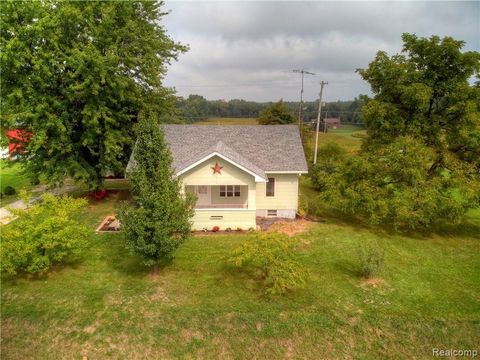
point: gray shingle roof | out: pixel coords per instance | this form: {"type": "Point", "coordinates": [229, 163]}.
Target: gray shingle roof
{"type": "Point", "coordinates": [258, 148]}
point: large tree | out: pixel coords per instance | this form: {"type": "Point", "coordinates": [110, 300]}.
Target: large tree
{"type": "Point", "coordinates": [76, 75]}
{"type": "Point", "coordinates": [158, 220]}
{"type": "Point", "coordinates": [420, 163]}
{"type": "Point", "coordinates": [276, 113]}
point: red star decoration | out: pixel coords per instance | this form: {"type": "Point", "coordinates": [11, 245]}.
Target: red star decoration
{"type": "Point", "coordinates": [217, 168]}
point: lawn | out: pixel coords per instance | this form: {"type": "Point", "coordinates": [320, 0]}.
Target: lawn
{"type": "Point", "coordinates": [108, 306]}
{"type": "Point", "coordinates": [11, 175]}
{"type": "Point", "coordinates": [228, 121]}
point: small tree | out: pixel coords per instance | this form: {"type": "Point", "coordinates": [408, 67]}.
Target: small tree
{"type": "Point", "coordinates": [371, 259]}
{"type": "Point", "coordinates": [276, 113]}
{"type": "Point", "coordinates": [44, 234]}
{"type": "Point", "coordinates": [274, 255]}
{"type": "Point", "coordinates": [158, 221]}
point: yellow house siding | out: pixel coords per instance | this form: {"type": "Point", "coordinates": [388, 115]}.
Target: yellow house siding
{"type": "Point", "coordinates": [286, 193]}
{"type": "Point", "coordinates": [202, 174]}
{"type": "Point", "coordinates": [244, 219]}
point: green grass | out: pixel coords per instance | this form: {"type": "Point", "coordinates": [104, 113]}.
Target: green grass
{"type": "Point", "coordinates": [228, 121]}
{"type": "Point", "coordinates": [108, 306]}
{"type": "Point", "coordinates": [347, 130]}
{"type": "Point", "coordinates": [11, 175]}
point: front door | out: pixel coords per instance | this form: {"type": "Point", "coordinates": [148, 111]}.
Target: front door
{"type": "Point", "coordinates": [203, 194]}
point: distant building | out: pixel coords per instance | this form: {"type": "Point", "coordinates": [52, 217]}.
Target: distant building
{"type": "Point", "coordinates": [17, 139]}
{"type": "Point", "coordinates": [333, 123]}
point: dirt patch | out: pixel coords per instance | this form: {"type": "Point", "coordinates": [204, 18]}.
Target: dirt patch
{"type": "Point", "coordinates": [89, 329]}
{"type": "Point", "coordinates": [291, 228]}
{"type": "Point", "coordinates": [159, 295]}
{"type": "Point", "coordinates": [372, 282]}
{"type": "Point", "coordinates": [189, 335]}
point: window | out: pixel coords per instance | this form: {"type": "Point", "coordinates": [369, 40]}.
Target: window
{"type": "Point", "coordinates": [271, 212]}
{"type": "Point", "coordinates": [202, 189]}
{"type": "Point", "coordinates": [230, 191]}
{"type": "Point", "coordinates": [216, 217]}
{"type": "Point", "coordinates": [270, 187]}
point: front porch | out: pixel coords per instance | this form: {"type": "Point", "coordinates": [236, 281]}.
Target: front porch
{"type": "Point", "coordinates": [225, 206]}
{"type": "Point", "coordinates": [220, 196]}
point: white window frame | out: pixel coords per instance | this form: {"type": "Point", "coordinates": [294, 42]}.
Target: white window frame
{"type": "Point", "coordinates": [234, 190]}
{"type": "Point", "coordinates": [274, 187]}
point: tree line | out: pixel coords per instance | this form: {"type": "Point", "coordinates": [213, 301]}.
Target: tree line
{"type": "Point", "coordinates": [197, 108]}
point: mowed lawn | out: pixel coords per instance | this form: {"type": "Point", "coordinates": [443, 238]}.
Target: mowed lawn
{"type": "Point", "coordinates": [108, 306]}
{"type": "Point", "coordinates": [11, 175]}
{"type": "Point", "coordinates": [228, 121]}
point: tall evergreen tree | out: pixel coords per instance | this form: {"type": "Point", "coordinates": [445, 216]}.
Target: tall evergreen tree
{"type": "Point", "coordinates": [158, 221]}
{"type": "Point", "coordinates": [76, 74]}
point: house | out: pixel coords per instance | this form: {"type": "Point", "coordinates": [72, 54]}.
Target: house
{"type": "Point", "coordinates": [332, 123]}
{"type": "Point", "coordinates": [238, 172]}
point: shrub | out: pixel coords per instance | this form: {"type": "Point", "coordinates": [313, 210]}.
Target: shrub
{"type": "Point", "coordinates": [371, 259]}
{"type": "Point", "coordinates": [47, 233]}
{"type": "Point", "coordinates": [9, 190]}
{"type": "Point", "coordinates": [35, 181]}
{"type": "Point", "coordinates": [274, 255]}
{"type": "Point", "coordinates": [215, 229]}
{"type": "Point", "coordinates": [277, 113]}
{"type": "Point", "coordinates": [228, 229]}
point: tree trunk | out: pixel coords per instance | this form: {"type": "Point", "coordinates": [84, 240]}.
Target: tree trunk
{"type": "Point", "coordinates": [155, 269]}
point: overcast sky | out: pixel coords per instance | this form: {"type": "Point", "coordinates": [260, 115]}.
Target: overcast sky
{"type": "Point", "coordinates": [244, 50]}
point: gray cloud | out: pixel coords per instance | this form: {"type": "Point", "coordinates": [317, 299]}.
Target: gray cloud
{"type": "Point", "coordinates": [245, 49]}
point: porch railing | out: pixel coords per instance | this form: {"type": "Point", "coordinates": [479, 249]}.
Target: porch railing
{"type": "Point", "coordinates": [221, 206]}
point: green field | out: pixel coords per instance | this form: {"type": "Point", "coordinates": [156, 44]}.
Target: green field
{"type": "Point", "coordinates": [228, 121]}
{"type": "Point", "coordinates": [108, 306]}
{"type": "Point", "coordinates": [11, 175]}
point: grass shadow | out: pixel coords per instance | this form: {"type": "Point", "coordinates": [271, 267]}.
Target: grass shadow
{"type": "Point", "coordinates": [348, 268]}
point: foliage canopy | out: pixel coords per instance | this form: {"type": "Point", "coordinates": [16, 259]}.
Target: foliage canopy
{"type": "Point", "coordinates": [420, 163]}
{"type": "Point", "coordinates": [45, 234]}
{"type": "Point", "coordinates": [277, 113]}
{"type": "Point", "coordinates": [274, 255]}
{"type": "Point", "coordinates": [76, 75]}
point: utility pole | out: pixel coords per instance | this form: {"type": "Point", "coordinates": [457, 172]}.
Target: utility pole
{"type": "Point", "coordinates": [322, 84]}
{"type": "Point", "coordinates": [300, 110]}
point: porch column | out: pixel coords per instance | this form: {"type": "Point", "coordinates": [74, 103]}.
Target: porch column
{"type": "Point", "coordinates": [251, 204]}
